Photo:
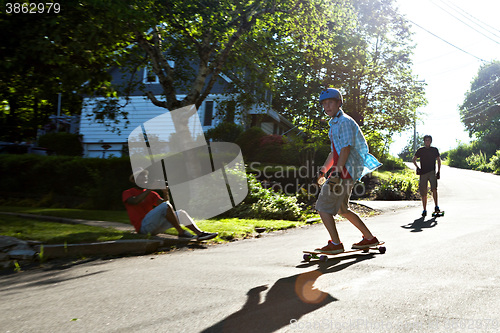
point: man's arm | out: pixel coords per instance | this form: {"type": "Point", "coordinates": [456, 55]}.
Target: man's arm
{"type": "Point", "coordinates": [343, 156]}
{"type": "Point", "coordinates": [438, 174]}
{"type": "Point", "coordinates": [415, 161]}
{"type": "Point", "coordinates": [138, 199]}
{"type": "Point", "coordinates": [328, 163]}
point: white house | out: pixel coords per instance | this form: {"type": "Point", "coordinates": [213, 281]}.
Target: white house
{"type": "Point", "coordinates": [100, 140]}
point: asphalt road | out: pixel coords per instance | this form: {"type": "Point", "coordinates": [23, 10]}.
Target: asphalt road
{"type": "Point", "coordinates": [438, 275]}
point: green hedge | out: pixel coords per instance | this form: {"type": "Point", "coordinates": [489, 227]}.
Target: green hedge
{"type": "Point", "coordinates": [64, 181]}
{"type": "Point", "coordinates": [62, 143]}
{"type": "Point", "coordinates": [399, 186]}
{"type": "Point", "coordinates": [95, 183]}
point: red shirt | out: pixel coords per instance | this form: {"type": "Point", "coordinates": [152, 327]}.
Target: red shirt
{"type": "Point", "coordinates": [136, 213]}
{"type": "Point", "coordinates": [345, 173]}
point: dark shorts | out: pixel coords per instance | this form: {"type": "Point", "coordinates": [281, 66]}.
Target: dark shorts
{"type": "Point", "coordinates": [429, 177]}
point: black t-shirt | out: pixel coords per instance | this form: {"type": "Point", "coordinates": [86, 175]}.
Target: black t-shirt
{"type": "Point", "coordinates": [427, 158]}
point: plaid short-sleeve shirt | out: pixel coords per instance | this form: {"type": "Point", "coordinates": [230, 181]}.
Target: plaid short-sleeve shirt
{"type": "Point", "coordinates": [344, 131]}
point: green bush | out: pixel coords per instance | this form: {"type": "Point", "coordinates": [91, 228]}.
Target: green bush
{"type": "Point", "coordinates": [478, 162]}
{"type": "Point", "coordinates": [457, 157]}
{"type": "Point", "coordinates": [399, 186]}
{"type": "Point", "coordinates": [224, 132]}
{"type": "Point", "coordinates": [472, 156]}
{"type": "Point", "coordinates": [266, 204]}
{"type": "Point", "coordinates": [495, 162]}
{"type": "Point", "coordinates": [391, 163]}
{"type": "Point", "coordinates": [62, 143]}
{"type": "Point", "coordinates": [249, 142]}
{"type": "Point", "coordinates": [270, 148]}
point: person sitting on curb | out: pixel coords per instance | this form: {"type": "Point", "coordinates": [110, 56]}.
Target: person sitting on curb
{"type": "Point", "coordinates": [150, 214]}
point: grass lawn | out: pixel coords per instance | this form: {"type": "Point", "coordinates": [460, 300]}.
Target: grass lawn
{"type": "Point", "coordinates": [59, 233]}
{"type": "Point", "coordinates": [229, 229]}
{"type": "Point", "coordinates": [95, 215]}
{"type": "Point", "coordinates": [53, 232]}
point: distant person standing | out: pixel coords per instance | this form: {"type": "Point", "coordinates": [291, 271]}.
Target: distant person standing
{"type": "Point", "coordinates": [427, 171]}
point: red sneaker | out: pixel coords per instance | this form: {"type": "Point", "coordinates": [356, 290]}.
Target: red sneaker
{"type": "Point", "coordinates": [365, 243]}
{"type": "Point", "coordinates": [331, 248]}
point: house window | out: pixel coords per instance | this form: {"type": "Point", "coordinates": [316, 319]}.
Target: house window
{"type": "Point", "coordinates": [151, 77]}
{"type": "Point", "coordinates": [209, 113]}
{"type": "Point", "coordinates": [230, 111]}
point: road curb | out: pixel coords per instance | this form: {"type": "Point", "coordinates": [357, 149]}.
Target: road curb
{"type": "Point", "coordinates": [119, 247]}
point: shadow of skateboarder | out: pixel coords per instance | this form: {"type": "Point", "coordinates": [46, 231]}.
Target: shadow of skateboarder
{"type": "Point", "coordinates": [420, 224]}
{"type": "Point", "coordinates": [287, 301]}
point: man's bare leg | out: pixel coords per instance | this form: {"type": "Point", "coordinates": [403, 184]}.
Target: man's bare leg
{"type": "Point", "coordinates": [172, 218]}
{"type": "Point", "coordinates": [424, 198]}
{"type": "Point", "coordinates": [329, 223]}
{"type": "Point", "coordinates": [358, 223]}
{"type": "Point", "coordinates": [435, 197]}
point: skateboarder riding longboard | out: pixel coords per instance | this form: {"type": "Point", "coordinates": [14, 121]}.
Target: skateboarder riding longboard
{"type": "Point", "coordinates": [349, 160]}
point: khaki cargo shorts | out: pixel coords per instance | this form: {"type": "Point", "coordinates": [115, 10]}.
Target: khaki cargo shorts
{"type": "Point", "coordinates": [428, 177]}
{"type": "Point", "coordinates": [335, 200]}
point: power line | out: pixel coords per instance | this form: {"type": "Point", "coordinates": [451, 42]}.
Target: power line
{"type": "Point", "coordinates": [447, 12]}
{"type": "Point", "coordinates": [480, 105]}
{"type": "Point", "coordinates": [475, 114]}
{"type": "Point", "coordinates": [487, 84]}
{"type": "Point", "coordinates": [478, 20]}
{"type": "Point", "coordinates": [450, 70]}
{"type": "Point", "coordinates": [445, 41]}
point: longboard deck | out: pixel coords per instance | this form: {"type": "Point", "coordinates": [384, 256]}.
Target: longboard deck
{"type": "Point", "coordinates": [323, 256]}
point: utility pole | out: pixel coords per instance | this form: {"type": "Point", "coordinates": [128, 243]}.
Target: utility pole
{"type": "Point", "coordinates": [58, 111]}
{"type": "Point", "coordinates": [415, 132]}
{"type": "Point", "coordinates": [415, 125]}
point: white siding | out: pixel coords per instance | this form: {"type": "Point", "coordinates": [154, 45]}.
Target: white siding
{"type": "Point", "coordinates": [268, 128]}
{"type": "Point", "coordinates": [139, 109]}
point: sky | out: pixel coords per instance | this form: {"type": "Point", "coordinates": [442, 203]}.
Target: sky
{"type": "Point", "coordinates": [447, 71]}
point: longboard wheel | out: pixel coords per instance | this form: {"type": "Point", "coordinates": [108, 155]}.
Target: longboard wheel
{"type": "Point", "coordinates": [382, 249]}
{"type": "Point", "coordinates": [307, 257]}
{"type": "Point", "coordinates": [323, 258]}
{"type": "Point", "coordinates": [365, 250]}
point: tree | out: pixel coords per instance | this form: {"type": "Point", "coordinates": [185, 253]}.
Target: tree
{"type": "Point", "coordinates": [480, 111]}
{"type": "Point", "coordinates": [50, 53]}
{"type": "Point", "coordinates": [371, 63]}
{"type": "Point", "coordinates": [375, 71]}
{"type": "Point", "coordinates": [408, 151]}
{"type": "Point", "coordinates": [241, 39]}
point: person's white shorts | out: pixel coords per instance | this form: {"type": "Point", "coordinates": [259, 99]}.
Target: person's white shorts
{"type": "Point", "coordinates": [156, 221]}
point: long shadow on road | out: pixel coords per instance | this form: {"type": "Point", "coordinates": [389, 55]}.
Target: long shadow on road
{"type": "Point", "coordinates": [420, 224]}
{"type": "Point", "coordinates": [287, 300]}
